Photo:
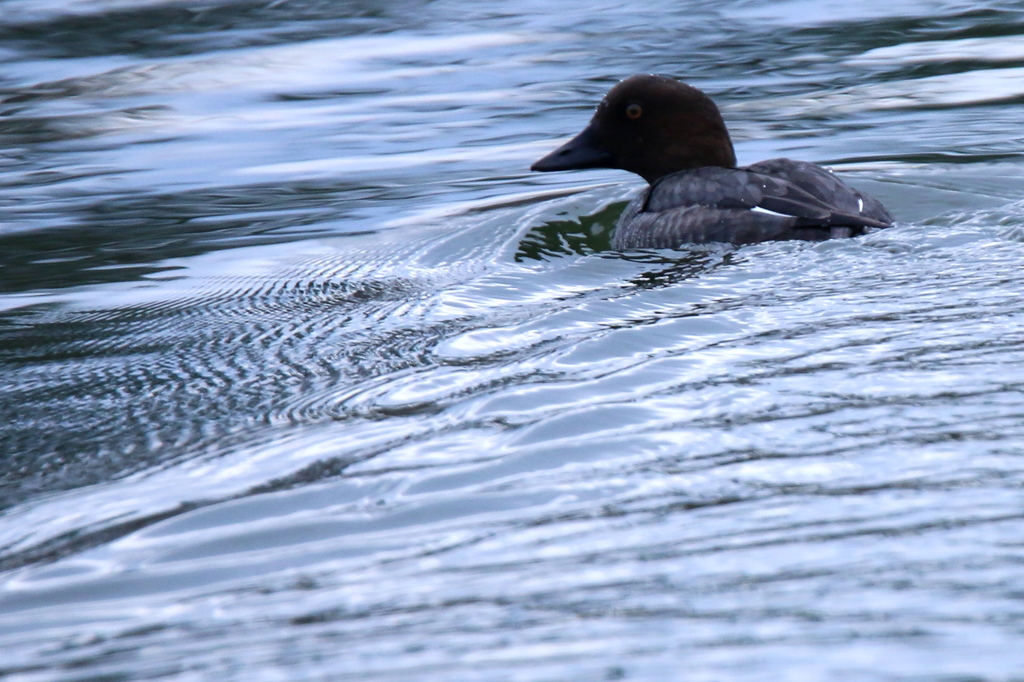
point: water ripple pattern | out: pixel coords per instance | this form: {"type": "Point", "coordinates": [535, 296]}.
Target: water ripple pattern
{"type": "Point", "coordinates": [306, 377]}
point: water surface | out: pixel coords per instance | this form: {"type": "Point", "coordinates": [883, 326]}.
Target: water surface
{"type": "Point", "coordinates": [307, 377]}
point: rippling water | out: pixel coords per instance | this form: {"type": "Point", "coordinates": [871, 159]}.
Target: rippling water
{"type": "Point", "coordinates": [307, 377]}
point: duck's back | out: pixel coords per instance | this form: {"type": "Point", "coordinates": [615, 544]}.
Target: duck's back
{"type": "Point", "coordinates": [822, 184]}
{"type": "Point", "coordinates": [777, 199]}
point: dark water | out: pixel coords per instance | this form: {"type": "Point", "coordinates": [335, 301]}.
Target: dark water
{"type": "Point", "coordinates": [305, 376]}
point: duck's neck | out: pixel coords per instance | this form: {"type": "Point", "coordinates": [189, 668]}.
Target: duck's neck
{"type": "Point", "coordinates": [708, 147]}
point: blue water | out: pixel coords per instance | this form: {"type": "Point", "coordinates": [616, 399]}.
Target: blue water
{"type": "Point", "coordinates": [307, 377]}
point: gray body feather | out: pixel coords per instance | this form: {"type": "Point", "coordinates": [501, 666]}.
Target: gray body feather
{"type": "Point", "coordinates": [777, 199]}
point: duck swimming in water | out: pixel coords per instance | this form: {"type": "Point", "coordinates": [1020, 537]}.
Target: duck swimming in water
{"type": "Point", "coordinates": [673, 136]}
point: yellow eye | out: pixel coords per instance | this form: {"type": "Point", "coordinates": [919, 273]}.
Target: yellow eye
{"type": "Point", "coordinates": [634, 111]}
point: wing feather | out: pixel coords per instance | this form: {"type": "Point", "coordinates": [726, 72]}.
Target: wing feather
{"type": "Point", "coordinates": [772, 200]}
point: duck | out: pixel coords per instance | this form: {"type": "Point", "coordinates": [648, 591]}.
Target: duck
{"type": "Point", "coordinates": [673, 136]}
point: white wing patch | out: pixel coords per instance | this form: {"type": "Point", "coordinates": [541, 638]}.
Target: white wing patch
{"type": "Point", "coordinates": [758, 209]}
{"type": "Point", "coordinates": [860, 205]}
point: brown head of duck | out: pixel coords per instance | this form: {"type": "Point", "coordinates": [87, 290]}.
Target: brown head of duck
{"type": "Point", "coordinates": [648, 125]}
